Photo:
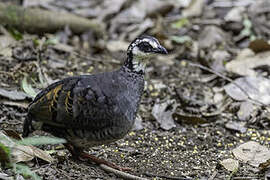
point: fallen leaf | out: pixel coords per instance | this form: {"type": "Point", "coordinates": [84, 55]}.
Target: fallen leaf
{"type": "Point", "coordinates": [230, 164]}
{"type": "Point", "coordinates": [246, 62]}
{"type": "Point", "coordinates": [219, 58]}
{"type": "Point", "coordinates": [22, 153]}
{"type": "Point", "coordinates": [41, 140]}
{"type": "Point", "coordinates": [4, 154]}
{"type": "Point", "coordinates": [180, 23]}
{"type": "Point", "coordinates": [252, 153]}
{"type": "Point", "coordinates": [57, 63]}
{"type": "Point", "coordinates": [28, 89]}
{"type": "Point", "coordinates": [235, 14]}
{"type": "Point", "coordinates": [211, 35]}
{"type": "Point", "coordinates": [246, 110]}
{"type": "Point", "coordinates": [163, 114]}
{"type": "Point", "coordinates": [63, 47]}
{"type": "Point", "coordinates": [257, 88]}
{"type": "Point", "coordinates": [6, 176]}
{"type": "Point", "coordinates": [138, 123]}
{"type": "Point", "coordinates": [5, 45]}
{"type": "Point", "coordinates": [194, 9]}
{"type": "Point", "coordinates": [135, 17]}
{"type": "Point", "coordinates": [13, 94]}
{"type": "Point", "coordinates": [13, 134]}
{"type": "Point", "coordinates": [100, 10]}
{"type": "Point", "coordinates": [236, 126]}
{"type": "Point", "coordinates": [181, 39]}
{"type": "Point", "coordinates": [16, 104]}
{"type": "Point", "coordinates": [259, 45]}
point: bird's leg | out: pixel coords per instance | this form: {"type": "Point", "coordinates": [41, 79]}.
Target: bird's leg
{"type": "Point", "coordinates": [81, 155]}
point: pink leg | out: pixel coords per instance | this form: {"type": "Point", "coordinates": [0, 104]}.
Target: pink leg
{"type": "Point", "coordinates": [79, 154]}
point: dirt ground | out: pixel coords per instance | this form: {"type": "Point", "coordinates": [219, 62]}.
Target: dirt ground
{"type": "Point", "coordinates": [204, 132]}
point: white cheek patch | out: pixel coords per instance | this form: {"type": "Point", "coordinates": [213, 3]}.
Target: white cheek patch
{"type": "Point", "coordinates": [138, 53]}
{"type": "Point", "coordinates": [139, 59]}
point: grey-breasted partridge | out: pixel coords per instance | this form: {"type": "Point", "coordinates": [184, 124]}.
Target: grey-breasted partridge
{"type": "Point", "coordinates": [91, 110]}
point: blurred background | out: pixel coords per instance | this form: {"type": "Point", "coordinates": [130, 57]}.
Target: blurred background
{"type": "Point", "coordinates": [205, 108]}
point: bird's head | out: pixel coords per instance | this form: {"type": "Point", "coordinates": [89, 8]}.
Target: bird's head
{"type": "Point", "coordinates": [141, 50]}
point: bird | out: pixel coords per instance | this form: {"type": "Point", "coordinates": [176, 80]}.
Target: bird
{"type": "Point", "coordinates": [95, 109]}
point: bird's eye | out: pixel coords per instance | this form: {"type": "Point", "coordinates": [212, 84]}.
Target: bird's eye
{"type": "Point", "coordinates": [145, 47]}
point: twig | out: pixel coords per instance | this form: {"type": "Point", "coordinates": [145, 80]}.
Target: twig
{"type": "Point", "coordinates": [166, 177]}
{"type": "Point", "coordinates": [225, 3]}
{"type": "Point", "coordinates": [87, 57]}
{"type": "Point", "coordinates": [244, 178]}
{"type": "Point", "coordinates": [120, 173]}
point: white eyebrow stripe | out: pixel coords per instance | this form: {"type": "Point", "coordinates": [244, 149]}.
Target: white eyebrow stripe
{"type": "Point", "coordinates": [152, 43]}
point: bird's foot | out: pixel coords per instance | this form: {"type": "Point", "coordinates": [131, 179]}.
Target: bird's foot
{"type": "Point", "coordinates": [84, 156]}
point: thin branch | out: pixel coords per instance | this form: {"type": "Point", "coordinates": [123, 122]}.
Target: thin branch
{"type": "Point", "coordinates": [121, 174]}
{"type": "Point", "coordinates": [166, 177]}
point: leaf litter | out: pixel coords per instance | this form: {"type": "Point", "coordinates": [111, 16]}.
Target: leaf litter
{"type": "Point", "coordinates": [187, 148]}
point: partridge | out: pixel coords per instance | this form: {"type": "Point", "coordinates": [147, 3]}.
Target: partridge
{"type": "Point", "coordinates": [91, 110]}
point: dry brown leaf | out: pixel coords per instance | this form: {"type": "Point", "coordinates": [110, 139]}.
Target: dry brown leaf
{"type": "Point", "coordinates": [246, 61]}
{"type": "Point", "coordinates": [252, 153]}
{"type": "Point", "coordinates": [22, 153]}
{"type": "Point", "coordinates": [13, 94]}
{"type": "Point", "coordinates": [195, 8]}
{"type": "Point", "coordinates": [236, 126]}
{"type": "Point", "coordinates": [210, 36]}
{"type": "Point", "coordinates": [163, 113]}
{"type": "Point", "coordinates": [256, 88]}
{"type": "Point", "coordinates": [235, 14]}
{"type": "Point", "coordinates": [259, 45]}
{"type": "Point", "coordinates": [230, 164]}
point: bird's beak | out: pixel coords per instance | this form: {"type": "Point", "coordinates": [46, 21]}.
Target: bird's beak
{"type": "Point", "coordinates": [161, 50]}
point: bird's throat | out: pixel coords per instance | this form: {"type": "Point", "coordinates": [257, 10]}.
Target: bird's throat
{"type": "Point", "coordinates": [137, 64]}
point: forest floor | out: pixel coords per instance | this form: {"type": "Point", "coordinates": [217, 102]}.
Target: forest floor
{"type": "Point", "coordinates": [201, 123]}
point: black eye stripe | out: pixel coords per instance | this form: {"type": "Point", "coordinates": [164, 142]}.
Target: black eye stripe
{"type": "Point", "coordinates": [144, 46]}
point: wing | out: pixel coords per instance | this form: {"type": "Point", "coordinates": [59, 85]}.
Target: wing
{"type": "Point", "coordinates": [77, 102]}
{"type": "Point", "coordinates": [56, 98]}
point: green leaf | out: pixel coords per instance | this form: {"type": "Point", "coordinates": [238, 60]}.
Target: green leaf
{"type": "Point", "coordinates": [41, 140]}
{"type": "Point", "coordinates": [15, 34]}
{"type": "Point", "coordinates": [25, 171]}
{"type": "Point", "coordinates": [181, 39]}
{"type": "Point", "coordinates": [52, 41]}
{"type": "Point", "coordinates": [27, 88]}
{"type": "Point", "coordinates": [180, 23]}
{"type": "Point", "coordinates": [4, 154]}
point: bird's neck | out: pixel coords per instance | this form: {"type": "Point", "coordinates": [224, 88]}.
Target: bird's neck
{"type": "Point", "coordinates": [136, 64]}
